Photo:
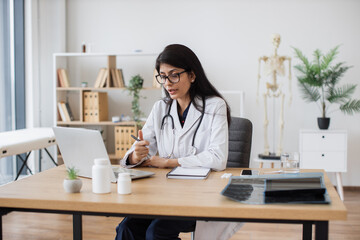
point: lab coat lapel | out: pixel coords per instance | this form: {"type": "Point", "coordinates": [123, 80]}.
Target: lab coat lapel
{"type": "Point", "coordinates": [174, 114]}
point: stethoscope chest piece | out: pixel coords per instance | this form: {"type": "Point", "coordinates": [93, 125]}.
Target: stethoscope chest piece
{"type": "Point", "coordinates": [193, 150]}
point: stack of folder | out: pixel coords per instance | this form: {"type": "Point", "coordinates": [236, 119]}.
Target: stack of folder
{"type": "Point", "coordinates": [123, 139]}
{"type": "Point", "coordinates": [95, 106]}
{"type": "Point", "coordinates": [299, 188]}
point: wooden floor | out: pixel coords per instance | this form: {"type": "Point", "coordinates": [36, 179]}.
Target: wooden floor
{"type": "Point", "coordinates": [41, 226]}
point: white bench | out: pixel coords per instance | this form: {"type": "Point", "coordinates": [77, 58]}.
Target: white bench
{"type": "Point", "coordinates": [25, 141]}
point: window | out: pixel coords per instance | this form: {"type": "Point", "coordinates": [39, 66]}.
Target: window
{"type": "Point", "coordinates": [12, 80]}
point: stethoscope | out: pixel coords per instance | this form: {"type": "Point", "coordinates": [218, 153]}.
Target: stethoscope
{"type": "Point", "coordinates": [168, 115]}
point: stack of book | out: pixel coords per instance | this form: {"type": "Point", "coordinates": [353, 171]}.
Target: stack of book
{"type": "Point", "coordinates": [95, 107]}
{"type": "Point", "coordinates": [63, 80]}
{"type": "Point", "coordinates": [65, 112]}
{"type": "Point", "coordinates": [109, 78]}
{"type": "Point", "coordinates": [123, 139]}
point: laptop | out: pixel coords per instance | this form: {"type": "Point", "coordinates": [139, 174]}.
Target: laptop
{"type": "Point", "coordinates": [79, 147]}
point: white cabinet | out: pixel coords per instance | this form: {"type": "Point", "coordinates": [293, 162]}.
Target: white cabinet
{"type": "Point", "coordinates": [324, 149]}
{"type": "Point", "coordinates": [321, 149]}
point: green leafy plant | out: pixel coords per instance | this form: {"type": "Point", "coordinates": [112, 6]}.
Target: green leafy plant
{"type": "Point", "coordinates": [72, 173]}
{"type": "Point", "coordinates": [134, 87]}
{"type": "Point", "coordinates": [318, 82]}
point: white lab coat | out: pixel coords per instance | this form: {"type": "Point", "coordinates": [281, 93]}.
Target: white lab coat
{"type": "Point", "coordinates": [211, 144]}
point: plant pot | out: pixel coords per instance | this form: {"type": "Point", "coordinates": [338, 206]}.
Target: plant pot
{"type": "Point", "coordinates": [72, 186]}
{"type": "Point", "coordinates": [323, 123]}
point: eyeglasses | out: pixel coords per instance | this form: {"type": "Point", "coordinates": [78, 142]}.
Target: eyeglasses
{"type": "Point", "coordinates": [173, 77]}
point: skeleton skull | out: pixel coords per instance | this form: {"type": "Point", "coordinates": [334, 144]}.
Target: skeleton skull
{"type": "Point", "coordinates": [275, 38]}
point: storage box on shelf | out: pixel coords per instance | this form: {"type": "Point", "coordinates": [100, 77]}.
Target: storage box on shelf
{"type": "Point", "coordinates": [123, 139]}
{"type": "Point", "coordinates": [324, 149]}
{"type": "Point", "coordinates": [95, 106]}
{"type": "Point", "coordinates": [68, 78]}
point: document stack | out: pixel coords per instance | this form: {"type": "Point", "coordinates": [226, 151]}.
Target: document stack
{"type": "Point", "coordinates": [123, 139]}
{"type": "Point", "coordinates": [95, 106]}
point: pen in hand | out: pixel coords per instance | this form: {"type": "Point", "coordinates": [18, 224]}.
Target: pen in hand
{"type": "Point", "coordinates": [138, 140]}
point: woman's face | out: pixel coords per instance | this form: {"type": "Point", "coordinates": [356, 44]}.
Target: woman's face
{"type": "Point", "coordinates": [179, 90]}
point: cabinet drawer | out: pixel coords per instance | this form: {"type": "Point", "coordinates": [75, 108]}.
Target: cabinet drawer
{"type": "Point", "coordinates": [329, 161]}
{"type": "Point", "coordinates": [323, 142]}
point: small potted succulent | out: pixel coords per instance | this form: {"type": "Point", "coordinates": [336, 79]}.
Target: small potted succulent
{"type": "Point", "coordinates": [72, 184]}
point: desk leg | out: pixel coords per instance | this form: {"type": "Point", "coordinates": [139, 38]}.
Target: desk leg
{"type": "Point", "coordinates": [339, 185]}
{"type": "Point", "coordinates": [1, 232]}
{"type": "Point", "coordinates": [307, 231]}
{"type": "Point", "coordinates": [77, 226]}
{"type": "Point", "coordinates": [321, 230]}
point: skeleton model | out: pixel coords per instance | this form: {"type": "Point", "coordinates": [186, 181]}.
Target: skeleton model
{"type": "Point", "coordinates": [274, 66]}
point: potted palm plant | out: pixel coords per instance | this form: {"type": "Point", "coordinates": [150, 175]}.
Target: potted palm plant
{"type": "Point", "coordinates": [318, 81]}
{"type": "Point", "coordinates": [134, 87]}
{"type": "Point", "coordinates": [72, 184]}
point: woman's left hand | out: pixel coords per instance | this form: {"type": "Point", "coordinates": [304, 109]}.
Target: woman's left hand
{"type": "Point", "coordinates": [159, 162]}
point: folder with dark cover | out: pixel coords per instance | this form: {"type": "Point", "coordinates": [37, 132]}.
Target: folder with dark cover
{"type": "Point", "coordinates": [285, 186]}
{"type": "Point", "coordinates": [188, 173]}
{"type": "Point", "coordinates": [295, 190]}
{"type": "Point", "coordinates": [303, 188]}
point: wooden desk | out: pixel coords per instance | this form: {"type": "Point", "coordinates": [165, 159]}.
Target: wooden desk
{"type": "Point", "coordinates": [161, 197]}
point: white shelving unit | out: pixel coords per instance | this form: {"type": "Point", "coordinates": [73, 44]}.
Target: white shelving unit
{"type": "Point", "coordinates": [84, 67]}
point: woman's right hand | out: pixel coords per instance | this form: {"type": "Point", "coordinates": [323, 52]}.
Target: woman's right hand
{"type": "Point", "coordinates": [141, 149]}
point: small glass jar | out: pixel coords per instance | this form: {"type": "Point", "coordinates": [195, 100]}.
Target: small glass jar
{"type": "Point", "coordinates": [124, 183]}
{"type": "Point", "coordinates": [284, 160]}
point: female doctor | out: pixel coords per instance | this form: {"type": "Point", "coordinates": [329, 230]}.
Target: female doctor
{"type": "Point", "coordinates": [188, 128]}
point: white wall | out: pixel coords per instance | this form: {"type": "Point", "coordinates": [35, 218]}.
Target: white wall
{"type": "Point", "coordinates": [229, 36]}
{"type": "Point", "coordinates": [44, 35]}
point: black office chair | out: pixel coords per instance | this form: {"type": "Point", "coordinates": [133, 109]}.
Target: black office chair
{"type": "Point", "coordinates": [240, 138]}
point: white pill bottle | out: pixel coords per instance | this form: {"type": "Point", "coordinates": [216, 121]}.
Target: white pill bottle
{"type": "Point", "coordinates": [124, 183]}
{"type": "Point", "coordinates": [101, 182]}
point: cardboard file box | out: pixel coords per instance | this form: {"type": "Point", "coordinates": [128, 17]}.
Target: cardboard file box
{"type": "Point", "coordinates": [123, 139]}
{"type": "Point", "coordinates": [95, 106]}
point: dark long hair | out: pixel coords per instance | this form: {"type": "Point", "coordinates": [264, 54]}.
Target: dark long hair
{"type": "Point", "coordinates": [183, 57]}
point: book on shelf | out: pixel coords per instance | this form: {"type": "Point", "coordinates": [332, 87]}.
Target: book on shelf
{"type": "Point", "coordinates": [69, 111]}
{"type": "Point", "coordinates": [63, 80]}
{"type": "Point", "coordinates": [65, 112]}
{"type": "Point", "coordinates": [67, 116]}
{"type": "Point", "coordinates": [99, 77]}
{"type": "Point", "coordinates": [61, 112]}
{"type": "Point", "coordinates": [114, 80]}
{"type": "Point", "coordinates": [115, 76]}
{"type": "Point", "coordinates": [120, 77]}
{"type": "Point", "coordinates": [59, 78]}
{"type": "Point", "coordinates": [104, 77]}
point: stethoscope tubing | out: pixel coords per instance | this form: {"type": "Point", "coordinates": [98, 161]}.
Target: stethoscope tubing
{"type": "Point", "coordinates": [168, 115]}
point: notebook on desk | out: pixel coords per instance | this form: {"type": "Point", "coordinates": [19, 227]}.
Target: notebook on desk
{"type": "Point", "coordinates": [79, 147]}
{"type": "Point", "coordinates": [189, 173]}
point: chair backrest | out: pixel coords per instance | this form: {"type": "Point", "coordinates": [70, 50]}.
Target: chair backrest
{"type": "Point", "coordinates": [240, 138]}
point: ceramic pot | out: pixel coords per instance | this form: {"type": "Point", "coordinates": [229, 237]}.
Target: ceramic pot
{"type": "Point", "coordinates": [72, 186]}
{"type": "Point", "coordinates": [323, 123]}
